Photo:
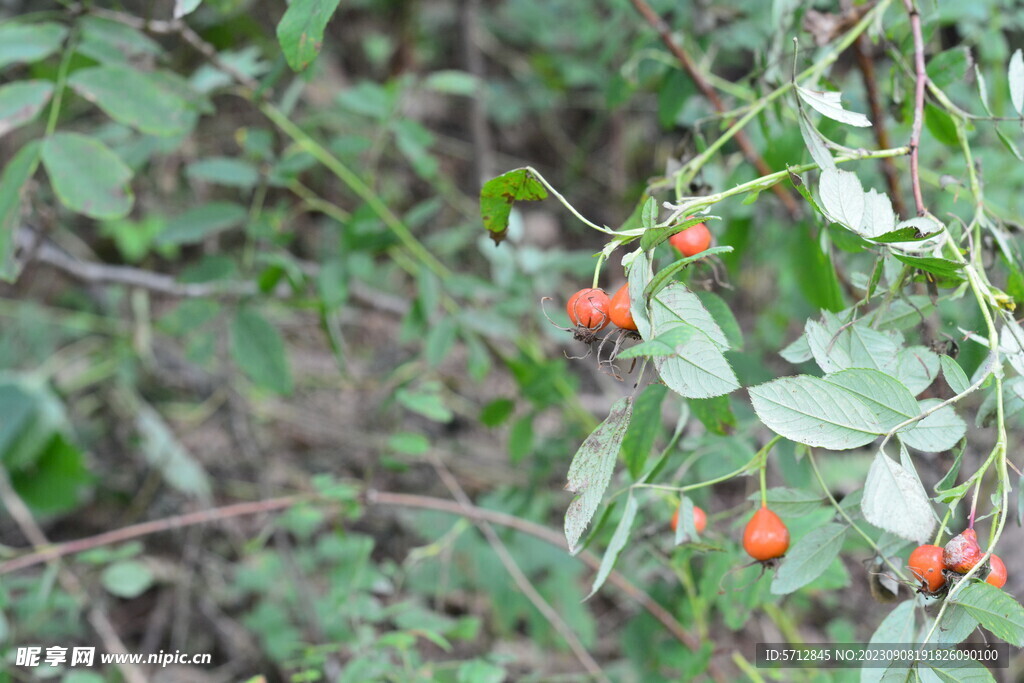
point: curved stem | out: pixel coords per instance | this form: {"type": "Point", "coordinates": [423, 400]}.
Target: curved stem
{"type": "Point", "coordinates": [849, 520]}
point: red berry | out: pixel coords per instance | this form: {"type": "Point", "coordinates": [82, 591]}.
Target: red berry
{"type": "Point", "coordinates": [692, 241]}
{"type": "Point", "coordinates": [997, 577]}
{"type": "Point", "coordinates": [619, 311]}
{"type": "Point", "coordinates": [700, 520]}
{"type": "Point", "coordinates": [588, 308]}
{"type": "Point", "coordinates": [926, 565]}
{"type": "Point", "coordinates": [766, 536]}
{"type": "Point", "coordinates": [962, 552]}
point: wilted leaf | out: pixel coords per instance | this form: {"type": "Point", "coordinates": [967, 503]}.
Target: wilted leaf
{"type": "Point", "coordinates": [498, 195]}
{"type": "Point", "coordinates": [592, 467]}
{"type": "Point", "coordinates": [895, 501]}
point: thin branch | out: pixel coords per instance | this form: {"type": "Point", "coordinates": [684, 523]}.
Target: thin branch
{"type": "Point", "coordinates": [680, 53]}
{"type": "Point", "coordinates": [97, 618]}
{"type": "Point", "coordinates": [867, 69]}
{"type": "Point", "coordinates": [372, 497]}
{"type": "Point", "coordinates": [521, 580]}
{"type": "Point", "coordinates": [922, 79]}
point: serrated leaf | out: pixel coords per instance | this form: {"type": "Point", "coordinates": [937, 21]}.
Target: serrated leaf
{"type": "Point", "coordinates": [1015, 74]}
{"type": "Point", "coordinates": [301, 30]}
{"type": "Point", "coordinates": [995, 609]}
{"type": "Point", "coordinates": [498, 194]}
{"type": "Point", "coordinates": [811, 411]}
{"type": "Point", "coordinates": [643, 428]}
{"type": "Point", "coordinates": [798, 351]}
{"type": "Point", "coordinates": [698, 369]}
{"type": "Point", "coordinates": [842, 197]}
{"type": "Point", "coordinates": [257, 348]}
{"type": "Point", "coordinates": [808, 558]}
{"type": "Point", "coordinates": [714, 413]}
{"type": "Point", "coordinates": [21, 102]}
{"type": "Point", "coordinates": [686, 530]}
{"type": "Point", "coordinates": [666, 275]}
{"type": "Point", "coordinates": [815, 144]}
{"type": "Point", "coordinates": [669, 343]}
{"type": "Point", "coordinates": [87, 177]}
{"type": "Point", "coordinates": [895, 501]}
{"type": "Point", "coordinates": [723, 315]}
{"type": "Point", "coordinates": [29, 42]}
{"type": "Point", "coordinates": [616, 544]}
{"type": "Point", "coordinates": [885, 396]}
{"type": "Point", "coordinates": [592, 467]}
{"type": "Point", "coordinates": [151, 108]}
{"type": "Point", "coordinates": [917, 367]}
{"type": "Point", "coordinates": [943, 268]}
{"type": "Point", "coordinates": [940, 431]}
{"type": "Point", "coordinates": [899, 626]}
{"type": "Point", "coordinates": [12, 181]}
{"type": "Point", "coordinates": [879, 217]}
{"type": "Point", "coordinates": [957, 624]}
{"type": "Point", "coordinates": [830, 104]}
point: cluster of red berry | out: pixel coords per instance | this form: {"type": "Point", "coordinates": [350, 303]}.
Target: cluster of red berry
{"type": "Point", "coordinates": [590, 310]}
{"type": "Point", "coordinates": [765, 537]}
{"type": "Point", "coordinates": [932, 564]}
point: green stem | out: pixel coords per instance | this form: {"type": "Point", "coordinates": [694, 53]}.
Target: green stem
{"type": "Point", "coordinates": [356, 184]}
{"type": "Point", "coordinates": [61, 84]}
{"type": "Point", "coordinates": [848, 519]}
{"type": "Point", "coordinates": [689, 171]}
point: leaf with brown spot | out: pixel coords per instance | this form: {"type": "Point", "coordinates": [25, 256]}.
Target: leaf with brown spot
{"type": "Point", "coordinates": [499, 194]}
{"type": "Point", "coordinates": [301, 30]}
{"type": "Point", "coordinates": [592, 467]}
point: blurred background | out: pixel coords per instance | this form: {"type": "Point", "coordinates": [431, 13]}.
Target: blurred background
{"type": "Point", "coordinates": [280, 315]}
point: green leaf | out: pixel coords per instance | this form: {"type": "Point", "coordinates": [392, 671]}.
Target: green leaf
{"type": "Point", "coordinates": [257, 348]}
{"type": "Point", "coordinates": [198, 223]}
{"type": "Point", "coordinates": [652, 236]}
{"type": "Point", "coordinates": [895, 501]}
{"type": "Point", "coordinates": [809, 558]}
{"type": "Point", "coordinates": [224, 171]}
{"type": "Point", "coordinates": [667, 344]}
{"type": "Point", "coordinates": [151, 108]}
{"type": "Point", "coordinates": [185, 7]}
{"type": "Point", "coordinates": [649, 214]}
{"type": "Point", "coordinates": [889, 401]}
{"type": "Point", "coordinates": [899, 626]}
{"type": "Point", "coordinates": [497, 411]}
{"type": "Point", "coordinates": [127, 579]}
{"type": "Point", "coordinates": [830, 104]}
{"type": "Point", "coordinates": [15, 174]}
{"type": "Point", "coordinates": [29, 42]}
{"type": "Point", "coordinates": [723, 315]}
{"type": "Point", "coordinates": [686, 529]}
{"type": "Point", "coordinates": [949, 66]}
{"type": "Point", "coordinates": [498, 195]}
{"type": "Point", "coordinates": [957, 624]}
{"type": "Point", "coordinates": [938, 432]}
{"type": "Point", "coordinates": [425, 400]}
{"type": "Point", "coordinates": [1008, 143]}
{"type": "Point", "coordinates": [787, 502]}
{"type": "Point", "coordinates": [21, 102]}
{"type": "Point", "coordinates": [943, 268]}
{"type": "Point", "coordinates": [714, 413]}
{"type": "Point", "coordinates": [301, 30]}
{"type": "Point", "coordinates": [87, 177]}
{"type": "Point", "coordinates": [615, 546]}
{"type": "Point", "coordinates": [1015, 75]}
{"type": "Point", "coordinates": [591, 469]}
{"type": "Point", "coordinates": [995, 609]}
{"type": "Point", "coordinates": [163, 450]}
{"type": "Point", "coordinates": [815, 143]}
{"type": "Point", "coordinates": [643, 428]}
{"type": "Point", "coordinates": [109, 41]}
{"type": "Point", "coordinates": [842, 197]}
{"type": "Point", "coordinates": [439, 340]}
{"type": "Point", "coordinates": [666, 275]}
{"type": "Point", "coordinates": [698, 369]}
{"type": "Point", "coordinates": [812, 411]}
